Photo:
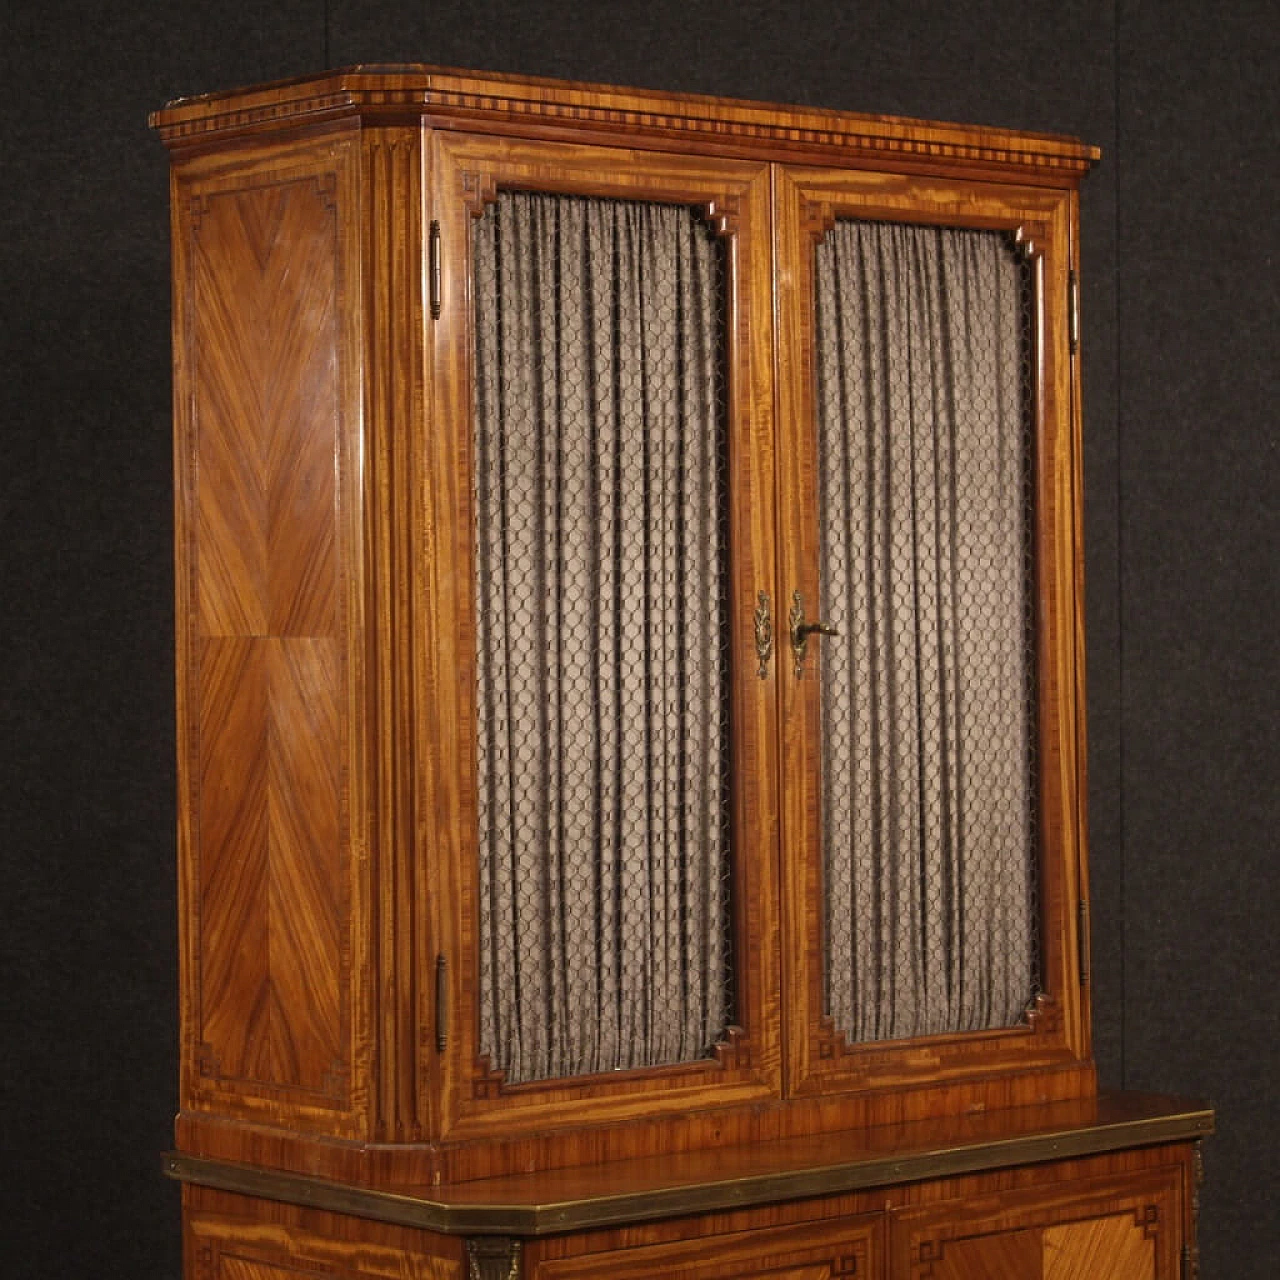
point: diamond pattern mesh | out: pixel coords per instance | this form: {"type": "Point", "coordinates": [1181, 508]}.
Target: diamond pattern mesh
{"type": "Point", "coordinates": [925, 415]}
{"type": "Point", "coordinates": [601, 559]}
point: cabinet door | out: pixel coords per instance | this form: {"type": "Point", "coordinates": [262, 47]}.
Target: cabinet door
{"type": "Point", "coordinates": [932, 844]}
{"type": "Point", "coordinates": [844, 1249]}
{"type": "Point", "coordinates": [1127, 1229]}
{"type": "Point", "coordinates": [597, 759]}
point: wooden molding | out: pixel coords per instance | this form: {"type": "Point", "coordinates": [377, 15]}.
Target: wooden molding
{"type": "Point", "coordinates": [723, 214]}
{"type": "Point", "coordinates": [533, 105]}
{"type": "Point", "coordinates": [479, 189]}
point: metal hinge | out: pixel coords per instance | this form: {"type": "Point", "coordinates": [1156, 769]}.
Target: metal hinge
{"type": "Point", "coordinates": [1073, 311]}
{"type": "Point", "coordinates": [1082, 939]}
{"type": "Point", "coordinates": [433, 258]}
{"type": "Point", "coordinates": [442, 1003]}
{"type": "Point", "coordinates": [1186, 1262]}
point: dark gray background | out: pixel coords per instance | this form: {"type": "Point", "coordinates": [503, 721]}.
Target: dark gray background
{"type": "Point", "coordinates": [1180, 495]}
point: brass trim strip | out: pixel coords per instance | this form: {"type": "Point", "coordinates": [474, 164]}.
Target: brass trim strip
{"type": "Point", "coordinates": [320, 1193]}
{"type": "Point", "coordinates": [610, 1210]}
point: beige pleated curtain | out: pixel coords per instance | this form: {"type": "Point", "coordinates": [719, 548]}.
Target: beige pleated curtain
{"type": "Point", "coordinates": [601, 560]}
{"type": "Point", "coordinates": [601, 564]}
{"type": "Point", "coordinates": [923, 355]}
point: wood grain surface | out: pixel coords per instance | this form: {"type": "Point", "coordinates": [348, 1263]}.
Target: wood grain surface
{"type": "Point", "coordinates": [328, 863]}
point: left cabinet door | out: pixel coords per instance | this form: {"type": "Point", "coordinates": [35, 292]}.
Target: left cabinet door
{"type": "Point", "coordinates": [596, 787]}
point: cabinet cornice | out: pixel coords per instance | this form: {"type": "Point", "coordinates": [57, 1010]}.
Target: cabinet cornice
{"type": "Point", "coordinates": [542, 107]}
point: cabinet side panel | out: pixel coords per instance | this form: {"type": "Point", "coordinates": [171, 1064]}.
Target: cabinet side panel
{"type": "Point", "coordinates": [230, 1237]}
{"type": "Point", "coordinates": [269, 674]}
{"type": "Point", "coordinates": [264, 345]}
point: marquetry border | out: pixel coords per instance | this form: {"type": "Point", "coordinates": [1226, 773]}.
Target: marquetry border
{"type": "Point", "coordinates": [547, 104]}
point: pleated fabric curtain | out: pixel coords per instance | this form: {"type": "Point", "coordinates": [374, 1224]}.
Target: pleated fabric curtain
{"type": "Point", "coordinates": [602, 663]}
{"type": "Point", "coordinates": [923, 359]}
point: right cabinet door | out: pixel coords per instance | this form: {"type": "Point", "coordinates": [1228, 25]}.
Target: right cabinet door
{"type": "Point", "coordinates": [1125, 1229]}
{"type": "Point", "coordinates": [931, 691]}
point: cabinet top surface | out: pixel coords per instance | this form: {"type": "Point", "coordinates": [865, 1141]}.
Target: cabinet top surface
{"type": "Point", "coordinates": [526, 102]}
{"type": "Point", "coordinates": [550, 1201]}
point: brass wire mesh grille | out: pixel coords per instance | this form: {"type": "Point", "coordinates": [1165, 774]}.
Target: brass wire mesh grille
{"type": "Point", "coordinates": [925, 393]}
{"type": "Point", "coordinates": [602, 635]}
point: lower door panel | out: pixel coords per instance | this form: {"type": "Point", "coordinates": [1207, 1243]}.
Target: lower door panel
{"type": "Point", "coordinates": [842, 1249]}
{"type": "Point", "coordinates": [1117, 1229]}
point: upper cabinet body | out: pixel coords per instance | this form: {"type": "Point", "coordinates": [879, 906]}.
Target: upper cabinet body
{"type": "Point", "coordinates": [629, 623]}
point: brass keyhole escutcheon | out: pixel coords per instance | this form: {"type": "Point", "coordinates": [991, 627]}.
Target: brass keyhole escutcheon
{"type": "Point", "coordinates": [802, 630]}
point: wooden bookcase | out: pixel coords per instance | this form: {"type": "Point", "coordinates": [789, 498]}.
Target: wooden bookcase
{"type": "Point", "coordinates": [351, 1103]}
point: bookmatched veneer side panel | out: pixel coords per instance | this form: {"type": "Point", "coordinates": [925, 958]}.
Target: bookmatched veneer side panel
{"type": "Point", "coordinates": [270, 674]}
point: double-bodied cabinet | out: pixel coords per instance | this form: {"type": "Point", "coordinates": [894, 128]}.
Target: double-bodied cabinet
{"type": "Point", "coordinates": [630, 695]}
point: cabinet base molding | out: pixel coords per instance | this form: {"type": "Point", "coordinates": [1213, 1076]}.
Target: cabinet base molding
{"type": "Point", "coordinates": [1069, 1090]}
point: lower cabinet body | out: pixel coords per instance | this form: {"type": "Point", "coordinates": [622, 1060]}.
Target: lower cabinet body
{"type": "Point", "coordinates": [1126, 1215]}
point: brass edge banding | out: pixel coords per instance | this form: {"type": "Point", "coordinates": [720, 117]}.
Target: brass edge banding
{"type": "Point", "coordinates": [394, 1207]}
{"type": "Point", "coordinates": [529, 1220]}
